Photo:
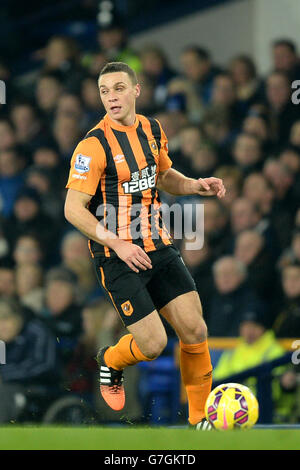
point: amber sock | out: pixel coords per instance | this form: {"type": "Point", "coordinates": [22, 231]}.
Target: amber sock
{"type": "Point", "coordinates": [125, 353]}
{"type": "Point", "coordinates": [196, 373]}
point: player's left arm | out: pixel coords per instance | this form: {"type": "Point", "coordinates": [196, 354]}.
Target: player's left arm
{"type": "Point", "coordinates": [174, 182]}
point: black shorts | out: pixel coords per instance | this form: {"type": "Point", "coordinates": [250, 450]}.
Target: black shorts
{"type": "Point", "coordinates": [135, 295]}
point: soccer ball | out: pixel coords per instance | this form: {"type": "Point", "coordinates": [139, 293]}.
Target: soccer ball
{"type": "Point", "coordinates": [231, 406]}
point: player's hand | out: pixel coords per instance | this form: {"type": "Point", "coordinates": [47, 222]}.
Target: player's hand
{"type": "Point", "coordinates": [133, 255]}
{"type": "Point", "coordinates": [210, 187]}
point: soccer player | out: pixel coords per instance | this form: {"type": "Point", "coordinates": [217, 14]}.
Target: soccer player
{"type": "Point", "coordinates": [119, 164]}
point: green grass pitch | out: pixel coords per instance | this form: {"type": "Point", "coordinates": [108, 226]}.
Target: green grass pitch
{"type": "Point", "coordinates": [14, 437]}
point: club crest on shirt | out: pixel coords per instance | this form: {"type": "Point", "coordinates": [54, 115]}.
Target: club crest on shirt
{"type": "Point", "coordinates": [82, 163]}
{"type": "Point", "coordinates": [127, 308]}
{"type": "Point", "coordinates": [153, 146]}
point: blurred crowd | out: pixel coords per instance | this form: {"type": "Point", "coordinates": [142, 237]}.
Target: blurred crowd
{"type": "Point", "coordinates": [223, 121]}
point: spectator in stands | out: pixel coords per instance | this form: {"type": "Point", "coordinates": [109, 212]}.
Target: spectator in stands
{"type": "Point", "coordinates": [258, 125]}
{"type": "Point", "coordinates": [62, 58]}
{"type": "Point", "coordinates": [256, 345]}
{"type": "Point", "coordinates": [292, 254]}
{"type": "Point", "coordinates": [91, 99]}
{"type": "Point", "coordinates": [155, 66]}
{"type": "Point", "coordinates": [197, 66]}
{"type": "Point", "coordinates": [28, 218]}
{"type": "Point", "coordinates": [31, 360]}
{"type": "Point", "coordinates": [27, 250]}
{"type": "Point", "coordinates": [232, 178]}
{"type": "Point", "coordinates": [285, 58]}
{"type": "Point", "coordinates": [146, 104]}
{"type": "Point", "coordinates": [67, 133]}
{"type": "Point", "coordinates": [11, 179]}
{"type": "Point", "coordinates": [248, 88]}
{"type": "Point", "coordinates": [28, 127]}
{"type": "Point", "coordinates": [247, 153]}
{"type": "Point", "coordinates": [49, 88]}
{"type": "Point", "coordinates": [8, 138]}
{"type": "Point", "coordinates": [250, 249]}
{"type": "Point", "coordinates": [282, 112]}
{"type": "Point", "coordinates": [190, 140]}
{"type": "Point", "coordinates": [61, 312]}
{"type": "Point", "coordinates": [76, 257]}
{"type": "Point", "coordinates": [294, 138]}
{"type": "Point", "coordinates": [216, 229]}
{"type": "Point", "coordinates": [232, 299]}
{"type": "Point", "coordinates": [287, 323]}
{"type": "Point", "coordinates": [7, 280]}
{"type": "Point", "coordinates": [199, 263]}
{"type": "Point", "coordinates": [113, 42]}
{"type": "Point", "coordinates": [244, 215]}
{"type": "Point", "coordinates": [29, 285]}
{"type": "Point", "coordinates": [44, 181]}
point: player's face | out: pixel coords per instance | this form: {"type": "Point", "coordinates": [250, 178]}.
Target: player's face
{"type": "Point", "coordinates": [118, 95]}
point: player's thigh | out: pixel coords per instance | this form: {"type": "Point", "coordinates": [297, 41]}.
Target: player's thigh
{"type": "Point", "coordinates": [149, 334]}
{"type": "Point", "coordinates": [184, 313]}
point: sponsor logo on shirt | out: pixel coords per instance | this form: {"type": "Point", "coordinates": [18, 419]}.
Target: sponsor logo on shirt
{"type": "Point", "coordinates": [82, 163]}
{"type": "Point", "coordinates": [79, 177]}
{"type": "Point", "coordinates": [119, 158]}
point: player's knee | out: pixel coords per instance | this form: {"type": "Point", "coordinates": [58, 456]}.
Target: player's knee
{"type": "Point", "coordinates": [154, 348]}
{"type": "Point", "coordinates": [196, 333]}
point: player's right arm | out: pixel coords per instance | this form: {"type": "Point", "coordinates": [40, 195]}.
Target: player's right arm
{"type": "Point", "coordinates": [77, 213]}
{"type": "Point", "coordinates": [87, 165]}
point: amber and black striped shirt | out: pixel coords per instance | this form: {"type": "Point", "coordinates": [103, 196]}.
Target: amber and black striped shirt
{"type": "Point", "coordinates": [119, 165]}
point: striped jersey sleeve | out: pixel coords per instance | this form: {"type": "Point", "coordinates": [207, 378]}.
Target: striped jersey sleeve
{"type": "Point", "coordinates": [164, 160]}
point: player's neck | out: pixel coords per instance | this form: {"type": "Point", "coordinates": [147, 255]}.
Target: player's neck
{"type": "Point", "coordinates": [127, 121]}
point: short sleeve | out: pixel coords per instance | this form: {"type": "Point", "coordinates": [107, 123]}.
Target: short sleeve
{"type": "Point", "coordinates": [87, 165]}
{"type": "Point", "coordinates": [164, 160]}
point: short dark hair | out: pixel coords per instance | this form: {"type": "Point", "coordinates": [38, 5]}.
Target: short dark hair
{"type": "Point", "coordinates": [286, 43]}
{"type": "Point", "coordinates": [200, 52]}
{"type": "Point", "coordinates": [112, 67]}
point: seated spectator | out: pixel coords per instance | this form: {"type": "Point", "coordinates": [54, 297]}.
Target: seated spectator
{"type": "Point", "coordinates": [7, 279]}
{"type": "Point", "coordinates": [76, 257]}
{"type": "Point", "coordinates": [91, 100]}
{"type": "Point", "coordinates": [232, 180]}
{"type": "Point", "coordinates": [146, 104]}
{"type": "Point", "coordinates": [11, 179]}
{"type": "Point", "coordinates": [290, 158]}
{"type": "Point", "coordinates": [28, 218]}
{"type": "Point", "coordinates": [62, 57]}
{"type": "Point", "coordinates": [292, 254]}
{"type": "Point", "coordinates": [285, 58]}
{"type": "Point", "coordinates": [257, 125]}
{"type": "Point", "coordinates": [61, 311]}
{"type": "Point", "coordinates": [44, 181]}
{"type": "Point", "coordinates": [113, 43]}
{"type": "Point", "coordinates": [247, 153]}
{"type": "Point", "coordinates": [29, 285]}
{"type": "Point", "coordinates": [198, 67]}
{"type": "Point", "coordinates": [67, 133]}
{"type": "Point", "coordinates": [294, 138]}
{"type": "Point", "coordinates": [216, 226]}
{"type": "Point", "coordinates": [190, 140]}
{"type": "Point", "coordinates": [8, 138]}
{"type": "Point", "coordinates": [49, 88]}
{"type": "Point", "coordinates": [250, 249]}
{"type": "Point", "coordinates": [31, 360]}
{"type": "Point", "coordinates": [27, 250]}
{"type": "Point", "coordinates": [232, 299]}
{"type": "Point", "coordinates": [244, 215]}
{"type": "Point", "coordinates": [204, 161]}
{"type": "Point", "coordinates": [30, 133]}
{"type": "Point", "coordinates": [199, 264]}
{"type": "Point", "coordinates": [282, 112]}
{"type": "Point", "coordinates": [248, 88]}
{"type": "Point", "coordinates": [155, 65]}
{"type": "Point", "coordinates": [287, 323]}
{"type": "Point", "coordinates": [256, 345]}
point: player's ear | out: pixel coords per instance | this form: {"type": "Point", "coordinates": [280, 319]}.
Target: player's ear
{"type": "Point", "coordinates": [137, 90]}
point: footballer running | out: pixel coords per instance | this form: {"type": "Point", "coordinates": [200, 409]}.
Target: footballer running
{"type": "Point", "coordinates": [123, 162]}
